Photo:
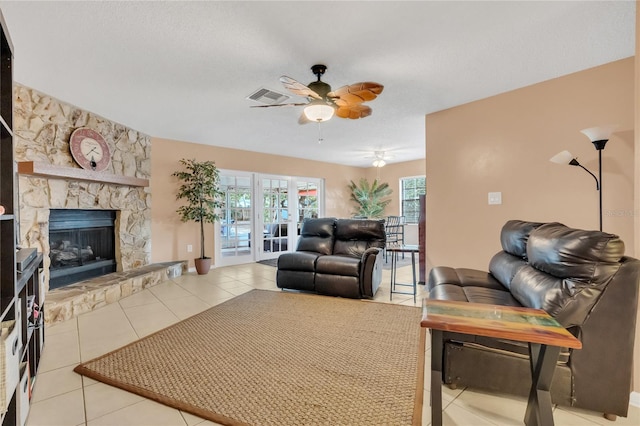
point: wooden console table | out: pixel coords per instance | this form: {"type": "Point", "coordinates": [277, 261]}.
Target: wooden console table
{"type": "Point", "coordinates": [543, 333]}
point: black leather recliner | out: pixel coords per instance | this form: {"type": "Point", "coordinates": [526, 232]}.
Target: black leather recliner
{"type": "Point", "coordinates": [336, 257]}
{"type": "Point", "coordinates": [583, 280]}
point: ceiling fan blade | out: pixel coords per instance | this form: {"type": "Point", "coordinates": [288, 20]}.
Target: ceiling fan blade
{"type": "Point", "coordinates": [278, 105]}
{"type": "Point", "coordinates": [353, 111]}
{"type": "Point", "coordinates": [356, 93]}
{"type": "Point", "coordinates": [298, 88]}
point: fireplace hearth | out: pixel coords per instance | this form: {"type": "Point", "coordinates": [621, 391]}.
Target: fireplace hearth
{"type": "Point", "coordinates": [82, 245]}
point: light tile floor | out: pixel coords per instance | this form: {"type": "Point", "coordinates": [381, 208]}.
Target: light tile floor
{"type": "Point", "coordinates": [62, 397]}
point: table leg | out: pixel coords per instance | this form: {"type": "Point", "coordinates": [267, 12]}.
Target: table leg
{"type": "Point", "coordinates": [542, 360]}
{"type": "Point", "coordinates": [436, 377]}
{"type": "Point", "coordinates": [417, 407]}
{"type": "Point", "coordinates": [413, 266]}
{"type": "Point", "coordinates": [394, 259]}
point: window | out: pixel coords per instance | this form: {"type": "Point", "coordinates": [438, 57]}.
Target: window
{"type": "Point", "coordinates": [410, 190]}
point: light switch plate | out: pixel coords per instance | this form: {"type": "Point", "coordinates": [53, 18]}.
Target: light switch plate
{"type": "Point", "coordinates": [495, 198]}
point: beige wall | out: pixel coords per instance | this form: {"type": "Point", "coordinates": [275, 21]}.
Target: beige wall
{"type": "Point", "coordinates": [170, 236]}
{"type": "Point", "coordinates": [504, 143]}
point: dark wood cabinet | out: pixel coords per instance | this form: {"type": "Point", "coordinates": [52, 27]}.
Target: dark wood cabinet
{"type": "Point", "coordinates": [21, 297]}
{"type": "Point", "coordinates": [422, 218]}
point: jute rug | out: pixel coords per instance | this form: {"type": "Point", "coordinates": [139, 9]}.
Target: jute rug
{"type": "Point", "coordinates": [278, 358]}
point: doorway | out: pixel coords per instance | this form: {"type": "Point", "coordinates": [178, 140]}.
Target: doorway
{"type": "Point", "coordinates": [263, 215]}
{"type": "Point", "coordinates": [233, 245]}
{"type": "Point", "coordinates": [286, 202]}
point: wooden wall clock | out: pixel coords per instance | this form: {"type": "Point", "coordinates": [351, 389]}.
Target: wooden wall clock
{"type": "Point", "coordinates": [89, 149]}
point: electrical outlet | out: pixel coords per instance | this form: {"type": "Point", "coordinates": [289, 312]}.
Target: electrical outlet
{"type": "Point", "coordinates": [495, 198]}
{"type": "Point", "coordinates": [189, 248]}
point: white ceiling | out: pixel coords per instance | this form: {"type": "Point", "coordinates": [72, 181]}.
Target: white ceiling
{"type": "Point", "coordinates": [183, 70]}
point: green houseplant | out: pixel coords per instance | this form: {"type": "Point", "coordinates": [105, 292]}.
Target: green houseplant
{"type": "Point", "coordinates": [200, 188]}
{"type": "Point", "coordinates": [370, 199]}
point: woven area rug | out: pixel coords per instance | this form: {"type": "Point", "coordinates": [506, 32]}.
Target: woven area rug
{"type": "Point", "coordinates": [279, 358]}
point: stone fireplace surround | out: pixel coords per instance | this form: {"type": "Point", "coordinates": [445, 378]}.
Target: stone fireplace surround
{"type": "Point", "coordinates": [42, 127]}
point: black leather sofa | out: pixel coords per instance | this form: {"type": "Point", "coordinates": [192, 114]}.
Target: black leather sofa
{"type": "Point", "coordinates": [584, 281]}
{"type": "Point", "coordinates": [336, 257]}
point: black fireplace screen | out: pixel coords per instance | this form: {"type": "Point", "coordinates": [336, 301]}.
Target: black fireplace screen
{"type": "Point", "coordinates": [82, 245]}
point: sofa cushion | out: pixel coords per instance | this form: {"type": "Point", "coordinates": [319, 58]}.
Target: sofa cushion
{"type": "Point", "coordinates": [354, 236]}
{"type": "Point", "coordinates": [539, 290]}
{"type": "Point", "coordinates": [514, 236]}
{"type": "Point", "coordinates": [338, 285]}
{"type": "Point", "coordinates": [504, 266]}
{"type": "Point", "coordinates": [338, 265]}
{"type": "Point", "coordinates": [473, 294]}
{"type": "Point", "coordinates": [298, 261]}
{"type": "Point", "coordinates": [462, 277]}
{"type": "Point", "coordinates": [297, 280]}
{"type": "Point", "coordinates": [568, 270]}
{"type": "Point", "coordinates": [317, 235]}
{"type": "Point", "coordinates": [574, 253]}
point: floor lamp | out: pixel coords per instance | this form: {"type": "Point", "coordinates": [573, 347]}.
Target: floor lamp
{"type": "Point", "coordinates": [599, 137]}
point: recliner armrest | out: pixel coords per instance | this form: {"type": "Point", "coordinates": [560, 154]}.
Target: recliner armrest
{"type": "Point", "coordinates": [371, 271]}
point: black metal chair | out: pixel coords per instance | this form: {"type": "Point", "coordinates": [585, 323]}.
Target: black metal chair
{"type": "Point", "coordinates": [394, 229]}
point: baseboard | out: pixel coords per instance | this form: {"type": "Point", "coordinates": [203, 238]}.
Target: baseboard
{"type": "Point", "coordinates": [634, 399]}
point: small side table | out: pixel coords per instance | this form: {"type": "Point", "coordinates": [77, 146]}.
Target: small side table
{"type": "Point", "coordinates": [542, 332]}
{"type": "Point", "coordinates": [394, 250]}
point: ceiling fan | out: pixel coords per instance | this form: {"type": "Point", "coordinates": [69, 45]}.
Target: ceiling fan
{"type": "Point", "coordinates": [345, 102]}
{"type": "Point", "coordinates": [380, 157]}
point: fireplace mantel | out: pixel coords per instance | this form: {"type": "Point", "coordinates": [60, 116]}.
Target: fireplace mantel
{"type": "Point", "coordinates": [38, 168]}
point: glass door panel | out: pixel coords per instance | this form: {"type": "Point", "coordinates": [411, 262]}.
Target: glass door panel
{"type": "Point", "coordinates": [275, 216]}
{"type": "Point", "coordinates": [263, 214]}
{"type": "Point", "coordinates": [236, 219]}
{"type": "Point", "coordinates": [308, 205]}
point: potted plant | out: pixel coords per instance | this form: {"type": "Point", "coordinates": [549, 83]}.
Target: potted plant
{"type": "Point", "coordinates": [371, 199]}
{"type": "Point", "coordinates": [200, 187]}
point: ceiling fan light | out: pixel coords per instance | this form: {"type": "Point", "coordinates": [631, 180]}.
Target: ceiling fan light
{"type": "Point", "coordinates": [379, 163]}
{"type": "Point", "coordinates": [318, 111]}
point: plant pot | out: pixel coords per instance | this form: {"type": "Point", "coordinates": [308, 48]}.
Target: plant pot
{"type": "Point", "coordinates": [203, 265]}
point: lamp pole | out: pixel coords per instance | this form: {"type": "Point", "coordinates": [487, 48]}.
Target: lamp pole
{"type": "Point", "coordinates": [599, 137]}
{"type": "Point", "coordinates": [599, 144]}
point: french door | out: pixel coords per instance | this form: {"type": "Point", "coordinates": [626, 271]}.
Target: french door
{"type": "Point", "coordinates": [233, 244]}
{"type": "Point", "coordinates": [277, 216]}
{"type": "Point", "coordinates": [286, 201]}
{"type": "Point", "coordinates": [263, 214]}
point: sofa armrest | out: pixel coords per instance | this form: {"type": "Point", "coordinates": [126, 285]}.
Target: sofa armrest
{"type": "Point", "coordinates": [603, 368]}
{"type": "Point", "coordinates": [370, 271]}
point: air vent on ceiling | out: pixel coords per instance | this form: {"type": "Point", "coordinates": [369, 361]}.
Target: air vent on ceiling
{"type": "Point", "coordinates": [267, 96]}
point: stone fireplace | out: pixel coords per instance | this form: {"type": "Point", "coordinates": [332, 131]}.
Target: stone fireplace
{"type": "Point", "coordinates": [42, 128]}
